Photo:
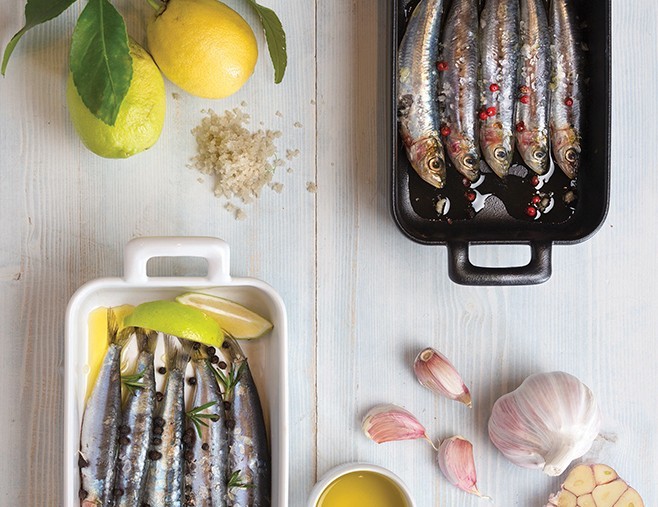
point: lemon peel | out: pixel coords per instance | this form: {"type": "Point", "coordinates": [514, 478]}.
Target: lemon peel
{"type": "Point", "coordinates": [141, 115]}
{"type": "Point", "coordinates": [203, 47]}
{"type": "Point", "coordinates": [176, 319]}
{"type": "Point", "coordinates": [237, 320]}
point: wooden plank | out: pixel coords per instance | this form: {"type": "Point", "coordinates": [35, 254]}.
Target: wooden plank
{"type": "Point", "coordinates": [66, 214]}
{"type": "Point", "coordinates": [384, 298]}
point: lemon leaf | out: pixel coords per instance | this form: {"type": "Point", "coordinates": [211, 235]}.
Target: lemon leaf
{"type": "Point", "coordinates": [101, 64]}
{"type": "Point", "coordinates": [36, 12]}
{"type": "Point", "coordinates": [276, 39]}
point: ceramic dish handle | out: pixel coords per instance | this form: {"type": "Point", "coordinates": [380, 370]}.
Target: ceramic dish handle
{"type": "Point", "coordinates": [463, 272]}
{"type": "Point", "coordinates": [138, 252]}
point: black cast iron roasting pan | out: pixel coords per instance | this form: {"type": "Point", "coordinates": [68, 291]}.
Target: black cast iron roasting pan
{"type": "Point", "coordinates": [498, 216]}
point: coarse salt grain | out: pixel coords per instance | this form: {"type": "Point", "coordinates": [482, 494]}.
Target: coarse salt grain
{"type": "Point", "coordinates": [241, 161]}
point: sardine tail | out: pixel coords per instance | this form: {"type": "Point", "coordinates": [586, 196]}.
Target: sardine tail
{"type": "Point", "coordinates": [115, 334]}
{"type": "Point", "coordinates": [146, 340]}
{"type": "Point", "coordinates": [177, 352]}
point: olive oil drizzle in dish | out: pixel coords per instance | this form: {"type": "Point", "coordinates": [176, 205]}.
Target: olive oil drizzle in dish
{"type": "Point", "coordinates": [362, 489]}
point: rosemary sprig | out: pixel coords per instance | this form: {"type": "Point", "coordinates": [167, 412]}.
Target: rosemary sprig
{"type": "Point", "coordinates": [236, 481]}
{"type": "Point", "coordinates": [229, 379]}
{"type": "Point", "coordinates": [132, 382]}
{"type": "Point", "coordinates": [195, 415]}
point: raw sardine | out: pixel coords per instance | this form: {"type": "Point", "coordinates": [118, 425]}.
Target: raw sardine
{"type": "Point", "coordinates": [532, 108]}
{"type": "Point", "coordinates": [499, 49]}
{"type": "Point", "coordinates": [458, 78]}
{"type": "Point", "coordinates": [100, 425]}
{"type": "Point", "coordinates": [164, 484]}
{"type": "Point", "coordinates": [137, 426]}
{"type": "Point", "coordinates": [249, 455]}
{"type": "Point", "coordinates": [418, 106]}
{"type": "Point", "coordinates": [567, 86]}
{"type": "Point", "coordinates": [206, 477]}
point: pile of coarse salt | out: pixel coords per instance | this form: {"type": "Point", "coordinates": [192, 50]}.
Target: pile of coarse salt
{"type": "Point", "coordinates": [241, 161]}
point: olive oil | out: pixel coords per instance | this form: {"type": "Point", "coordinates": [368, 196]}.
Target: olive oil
{"type": "Point", "coordinates": [362, 489]}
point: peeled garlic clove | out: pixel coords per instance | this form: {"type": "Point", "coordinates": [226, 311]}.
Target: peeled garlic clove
{"type": "Point", "coordinates": [390, 423]}
{"type": "Point", "coordinates": [437, 373]}
{"type": "Point", "coordinates": [595, 486]}
{"type": "Point", "coordinates": [456, 461]}
{"type": "Point", "coordinates": [549, 421]}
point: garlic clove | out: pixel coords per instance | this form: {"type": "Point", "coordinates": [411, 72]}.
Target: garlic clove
{"type": "Point", "coordinates": [390, 423]}
{"type": "Point", "coordinates": [456, 461]}
{"type": "Point", "coordinates": [603, 474]}
{"type": "Point", "coordinates": [595, 486]}
{"type": "Point", "coordinates": [608, 494]}
{"type": "Point", "coordinates": [549, 421]}
{"type": "Point", "coordinates": [434, 371]}
{"type": "Point", "coordinates": [581, 483]}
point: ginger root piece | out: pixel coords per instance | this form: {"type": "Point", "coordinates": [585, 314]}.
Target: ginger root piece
{"type": "Point", "coordinates": [595, 486]}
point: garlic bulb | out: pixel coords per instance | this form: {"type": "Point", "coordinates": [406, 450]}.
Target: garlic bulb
{"type": "Point", "coordinates": [595, 485]}
{"type": "Point", "coordinates": [549, 421]}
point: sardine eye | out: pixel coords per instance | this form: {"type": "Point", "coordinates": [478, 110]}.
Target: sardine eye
{"type": "Point", "coordinates": [539, 155]}
{"type": "Point", "coordinates": [434, 164]}
{"type": "Point", "coordinates": [469, 161]}
{"type": "Point", "coordinates": [500, 153]}
{"type": "Point", "coordinates": [571, 155]}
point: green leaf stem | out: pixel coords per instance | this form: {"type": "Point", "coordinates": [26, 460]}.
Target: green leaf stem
{"type": "Point", "coordinates": [36, 12]}
{"type": "Point", "coordinates": [276, 39]}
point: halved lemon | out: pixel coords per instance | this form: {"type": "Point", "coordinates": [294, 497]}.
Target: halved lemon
{"type": "Point", "coordinates": [237, 320]}
{"type": "Point", "coordinates": [176, 319]}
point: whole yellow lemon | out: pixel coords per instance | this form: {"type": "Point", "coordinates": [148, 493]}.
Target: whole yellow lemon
{"type": "Point", "coordinates": [141, 115]}
{"type": "Point", "coordinates": [203, 46]}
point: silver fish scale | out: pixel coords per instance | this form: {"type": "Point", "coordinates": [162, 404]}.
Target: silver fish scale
{"type": "Point", "coordinates": [535, 75]}
{"type": "Point", "coordinates": [418, 54]}
{"type": "Point", "coordinates": [459, 85]}
{"type": "Point", "coordinates": [99, 432]}
{"type": "Point", "coordinates": [164, 485]}
{"type": "Point", "coordinates": [499, 44]}
{"type": "Point", "coordinates": [568, 77]}
{"type": "Point", "coordinates": [248, 448]}
{"type": "Point", "coordinates": [138, 416]}
{"type": "Point", "coordinates": [207, 481]}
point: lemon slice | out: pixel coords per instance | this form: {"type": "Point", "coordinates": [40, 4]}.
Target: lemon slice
{"type": "Point", "coordinates": [235, 319]}
{"type": "Point", "coordinates": [176, 319]}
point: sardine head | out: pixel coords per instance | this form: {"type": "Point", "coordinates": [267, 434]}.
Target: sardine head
{"type": "Point", "coordinates": [464, 155]}
{"type": "Point", "coordinates": [533, 146]}
{"type": "Point", "coordinates": [427, 159]}
{"type": "Point", "coordinates": [497, 148]}
{"type": "Point", "coordinates": [566, 149]}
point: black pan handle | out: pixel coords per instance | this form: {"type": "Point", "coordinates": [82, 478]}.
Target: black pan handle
{"type": "Point", "coordinates": [463, 272]}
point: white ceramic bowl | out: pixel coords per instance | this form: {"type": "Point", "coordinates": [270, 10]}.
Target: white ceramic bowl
{"type": "Point", "coordinates": [271, 375]}
{"type": "Point", "coordinates": [347, 468]}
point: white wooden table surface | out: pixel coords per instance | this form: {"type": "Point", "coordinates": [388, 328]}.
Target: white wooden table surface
{"type": "Point", "coordinates": [362, 299]}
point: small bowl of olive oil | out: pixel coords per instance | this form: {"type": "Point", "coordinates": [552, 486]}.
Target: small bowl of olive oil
{"type": "Point", "coordinates": [360, 485]}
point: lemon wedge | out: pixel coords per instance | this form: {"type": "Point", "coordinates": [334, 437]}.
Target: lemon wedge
{"type": "Point", "coordinates": [176, 319]}
{"type": "Point", "coordinates": [235, 319]}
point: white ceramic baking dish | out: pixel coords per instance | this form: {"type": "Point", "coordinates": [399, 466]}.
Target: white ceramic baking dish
{"type": "Point", "coordinates": [267, 356]}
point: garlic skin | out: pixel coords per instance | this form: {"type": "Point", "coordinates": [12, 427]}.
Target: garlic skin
{"type": "Point", "coordinates": [549, 421]}
{"type": "Point", "coordinates": [434, 371]}
{"type": "Point", "coordinates": [456, 461]}
{"type": "Point", "coordinates": [390, 423]}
